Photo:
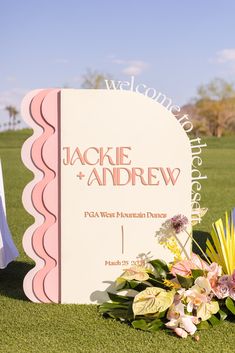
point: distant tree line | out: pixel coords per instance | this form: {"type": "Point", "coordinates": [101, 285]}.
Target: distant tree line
{"type": "Point", "coordinates": [213, 111]}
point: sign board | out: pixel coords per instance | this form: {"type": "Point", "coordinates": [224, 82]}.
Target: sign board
{"type": "Point", "coordinates": [110, 167]}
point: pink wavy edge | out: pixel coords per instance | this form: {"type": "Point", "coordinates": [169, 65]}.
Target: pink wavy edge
{"type": "Point", "coordinates": [34, 237]}
{"type": "Point", "coordinates": [37, 198]}
{"type": "Point", "coordinates": [49, 275]}
{"type": "Point", "coordinates": [26, 197]}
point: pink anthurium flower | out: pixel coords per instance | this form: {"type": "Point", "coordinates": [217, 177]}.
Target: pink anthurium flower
{"type": "Point", "coordinates": [185, 267]}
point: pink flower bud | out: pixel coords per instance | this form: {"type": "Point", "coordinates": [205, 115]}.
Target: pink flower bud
{"type": "Point", "coordinates": [180, 332]}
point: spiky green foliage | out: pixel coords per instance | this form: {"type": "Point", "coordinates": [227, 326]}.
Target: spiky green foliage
{"type": "Point", "coordinates": [222, 247]}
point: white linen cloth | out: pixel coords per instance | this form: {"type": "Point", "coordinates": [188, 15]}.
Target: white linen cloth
{"type": "Point", "coordinates": [8, 250]}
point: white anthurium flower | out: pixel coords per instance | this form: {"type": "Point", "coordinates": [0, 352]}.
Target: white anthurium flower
{"type": "Point", "coordinates": [138, 273]}
{"type": "Point", "coordinates": [152, 300]}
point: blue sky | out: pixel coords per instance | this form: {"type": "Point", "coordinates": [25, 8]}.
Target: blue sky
{"type": "Point", "coordinates": [173, 46]}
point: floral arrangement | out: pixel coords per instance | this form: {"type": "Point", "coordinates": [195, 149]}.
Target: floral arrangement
{"type": "Point", "coordinates": [186, 295]}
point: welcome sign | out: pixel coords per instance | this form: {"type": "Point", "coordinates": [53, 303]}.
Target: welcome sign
{"type": "Point", "coordinates": [110, 167]}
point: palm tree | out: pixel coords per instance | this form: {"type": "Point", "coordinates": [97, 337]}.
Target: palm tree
{"type": "Point", "coordinates": [13, 112]}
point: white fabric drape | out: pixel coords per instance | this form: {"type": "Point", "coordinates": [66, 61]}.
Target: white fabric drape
{"type": "Point", "coordinates": [8, 250]}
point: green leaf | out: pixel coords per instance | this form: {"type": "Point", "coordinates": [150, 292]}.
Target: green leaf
{"type": "Point", "coordinates": [138, 286]}
{"type": "Point", "coordinates": [185, 282]}
{"type": "Point", "coordinates": [162, 314]}
{"type": "Point", "coordinates": [160, 263]}
{"type": "Point", "coordinates": [155, 325]}
{"type": "Point", "coordinates": [119, 298]}
{"type": "Point", "coordinates": [117, 310]}
{"type": "Point", "coordinates": [222, 315]}
{"type": "Point", "coordinates": [203, 325]}
{"type": "Point", "coordinates": [156, 282]}
{"type": "Point", "coordinates": [214, 320]}
{"type": "Point", "coordinates": [134, 284]}
{"type": "Point", "coordinates": [160, 267]}
{"type": "Point", "coordinates": [130, 313]}
{"type": "Point", "coordinates": [152, 300]}
{"type": "Point", "coordinates": [120, 282]}
{"type": "Point", "coordinates": [152, 326]}
{"type": "Point", "coordinates": [140, 324]}
{"type": "Point", "coordinates": [230, 305]}
{"type": "Point", "coordinates": [170, 276]}
{"type": "Point", "coordinates": [197, 273]}
{"type": "Point", "coordinates": [122, 285]}
{"type": "Point", "coordinates": [107, 307]}
{"type": "Point", "coordinates": [120, 314]}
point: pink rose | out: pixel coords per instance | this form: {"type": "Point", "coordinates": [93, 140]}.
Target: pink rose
{"type": "Point", "coordinates": [221, 290]}
{"type": "Point", "coordinates": [214, 271]}
{"type": "Point", "coordinates": [232, 288]}
{"type": "Point", "coordinates": [225, 279]}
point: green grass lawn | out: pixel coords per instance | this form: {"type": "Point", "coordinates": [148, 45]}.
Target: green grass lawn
{"type": "Point", "coordinates": [27, 327]}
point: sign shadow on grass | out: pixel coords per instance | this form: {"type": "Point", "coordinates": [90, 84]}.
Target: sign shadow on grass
{"type": "Point", "coordinates": [11, 280]}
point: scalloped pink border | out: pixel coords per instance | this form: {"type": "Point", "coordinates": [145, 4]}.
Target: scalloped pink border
{"type": "Point", "coordinates": [50, 150]}
{"type": "Point", "coordinates": [26, 197]}
{"type": "Point", "coordinates": [40, 241]}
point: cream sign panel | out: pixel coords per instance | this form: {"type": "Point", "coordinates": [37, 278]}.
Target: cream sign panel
{"type": "Point", "coordinates": [115, 166]}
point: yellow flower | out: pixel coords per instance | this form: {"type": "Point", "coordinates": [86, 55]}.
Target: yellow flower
{"type": "Point", "coordinates": [172, 245]}
{"type": "Point", "coordinates": [171, 284]}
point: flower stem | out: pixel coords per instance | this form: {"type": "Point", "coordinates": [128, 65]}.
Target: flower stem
{"type": "Point", "coordinates": [182, 247]}
{"type": "Point", "coordinates": [199, 247]}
